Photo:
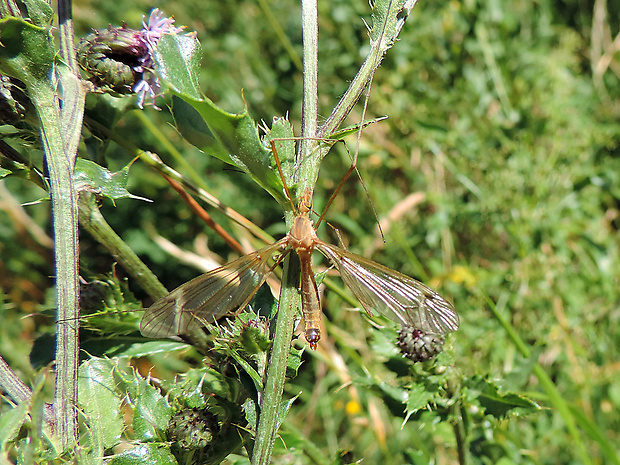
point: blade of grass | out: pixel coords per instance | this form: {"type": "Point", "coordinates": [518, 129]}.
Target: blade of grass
{"type": "Point", "coordinates": [555, 397]}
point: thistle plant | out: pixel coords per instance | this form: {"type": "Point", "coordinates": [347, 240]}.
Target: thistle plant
{"type": "Point", "coordinates": [150, 62]}
{"type": "Point", "coordinates": [228, 386]}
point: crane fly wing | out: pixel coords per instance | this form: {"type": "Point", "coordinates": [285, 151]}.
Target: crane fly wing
{"type": "Point", "coordinates": [399, 297]}
{"type": "Point", "coordinates": [209, 296]}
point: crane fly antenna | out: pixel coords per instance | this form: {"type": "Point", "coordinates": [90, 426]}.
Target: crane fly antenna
{"type": "Point", "coordinates": [353, 166]}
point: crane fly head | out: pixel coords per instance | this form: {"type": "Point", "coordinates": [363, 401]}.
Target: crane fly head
{"type": "Point", "coordinates": [305, 203]}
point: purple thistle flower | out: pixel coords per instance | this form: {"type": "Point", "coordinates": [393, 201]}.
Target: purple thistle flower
{"type": "Point", "coordinates": [158, 25]}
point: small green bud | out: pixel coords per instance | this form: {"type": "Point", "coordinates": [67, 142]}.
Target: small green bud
{"type": "Point", "coordinates": [418, 345]}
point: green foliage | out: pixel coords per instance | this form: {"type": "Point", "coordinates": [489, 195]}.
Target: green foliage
{"type": "Point", "coordinates": [89, 176]}
{"type": "Point", "coordinates": [27, 52]}
{"type": "Point", "coordinates": [232, 138]}
{"type": "Point", "coordinates": [495, 178]}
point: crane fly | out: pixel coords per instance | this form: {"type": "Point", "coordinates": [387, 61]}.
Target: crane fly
{"type": "Point", "coordinates": [230, 288]}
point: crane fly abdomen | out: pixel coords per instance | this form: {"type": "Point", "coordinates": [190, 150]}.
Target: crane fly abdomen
{"type": "Point", "coordinates": [302, 239]}
{"type": "Point", "coordinates": [310, 303]}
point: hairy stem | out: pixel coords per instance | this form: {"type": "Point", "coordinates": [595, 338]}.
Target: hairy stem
{"type": "Point", "coordinates": [307, 167]}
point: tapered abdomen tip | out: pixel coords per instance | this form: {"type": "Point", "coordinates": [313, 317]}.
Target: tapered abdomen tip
{"type": "Point", "coordinates": [312, 336]}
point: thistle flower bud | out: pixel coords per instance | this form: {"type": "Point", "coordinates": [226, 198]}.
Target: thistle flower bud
{"type": "Point", "coordinates": [418, 345]}
{"type": "Point", "coordinates": [120, 59]}
{"type": "Point", "coordinates": [114, 58]}
{"type": "Point", "coordinates": [193, 428]}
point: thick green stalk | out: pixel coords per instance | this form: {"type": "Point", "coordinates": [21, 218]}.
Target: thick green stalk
{"type": "Point", "coordinates": [64, 211]}
{"type": "Point", "coordinates": [61, 130]}
{"type": "Point", "coordinates": [308, 163]}
{"type": "Point", "coordinates": [271, 411]}
{"type": "Point", "coordinates": [308, 168]}
{"type": "Point", "coordinates": [93, 221]}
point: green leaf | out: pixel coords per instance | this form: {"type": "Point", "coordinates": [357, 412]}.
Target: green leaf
{"type": "Point", "coordinates": [145, 454]}
{"type": "Point", "coordinates": [178, 64]}
{"type": "Point", "coordinates": [233, 138]}
{"type": "Point", "coordinates": [251, 414]}
{"type": "Point", "coordinates": [92, 177]}
{"type": "Point", "coordinates": [418, 398]}
{"type": "Point", "coordinates": [294, 361]}
{"type": "Point", "coordinates": [151, 414]}
{"type": "Point", "coordinates": [10, 423]}
{"type": "Point", "coordinates": [27, 52]}
{"type": "Point", "coordinates": [485, 392]}
{"type": "Point", "coordinates": [144, 349]}
{"type": "Point", "coordinates": [151, 411]}
{"type": "Point", "coordinates": [199, 385]}
{"type": "Point", "coordinates": [238, 134]}
{"type": "Point", "coordinates": [39, 11]}
{"type": "Point", "coordinates": [283, 136]}
{"type": "Point", "coordinates": [194, 130]}
{"type": "Point", "coordinates": [386, 21]}
{"type": "Point", "coordinates": [100, 403]}
{"type": "Point", "coordinates": [354, 128]}
{"type": "Point", "coordinates": [285, 406]}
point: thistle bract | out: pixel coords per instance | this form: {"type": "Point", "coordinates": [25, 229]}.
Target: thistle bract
{"type": "Point", "coordinates": [193, 428]}
{"type": "Point", "coordinates": [418, 345]}
{"type": "Point", "coordinates": [114, 58]}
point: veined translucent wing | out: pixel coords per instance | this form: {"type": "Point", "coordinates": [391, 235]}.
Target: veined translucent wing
{"type": "Point", "coordinates": [210, 296]}
{"type": "Point", "coordinates": [399, 297]}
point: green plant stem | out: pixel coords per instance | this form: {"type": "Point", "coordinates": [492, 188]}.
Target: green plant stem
{"type": "Point", "coordinates": [19, 392]}
{"type": "Point", "coordinates": [459, 433]}
{"type": "Point", "coordinates": [309, 119]}
{"type": "Point", "coordinates": [64, 211]}
{"type": "Point", "coordinates": [9, 8]}
{"type": "Point", "coordinates": [271, 414]}
{"type": "Point", "coordinates": [93, 221]}
{"type": "Point", "coordinates": [386, 29]}
{"type": "Point", "coordinates": [61, 130]}
{"type": "Point", "coordinates": [353, 93]}
{"type": "Point", "coordinates": [308, 161]}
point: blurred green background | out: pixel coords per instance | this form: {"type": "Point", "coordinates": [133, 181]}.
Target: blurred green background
{"type": "Point", "coordinates": [496, 174]}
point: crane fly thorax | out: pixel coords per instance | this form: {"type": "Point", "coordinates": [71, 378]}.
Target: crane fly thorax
{"type": "Point", "coordinates": [302, 236]}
